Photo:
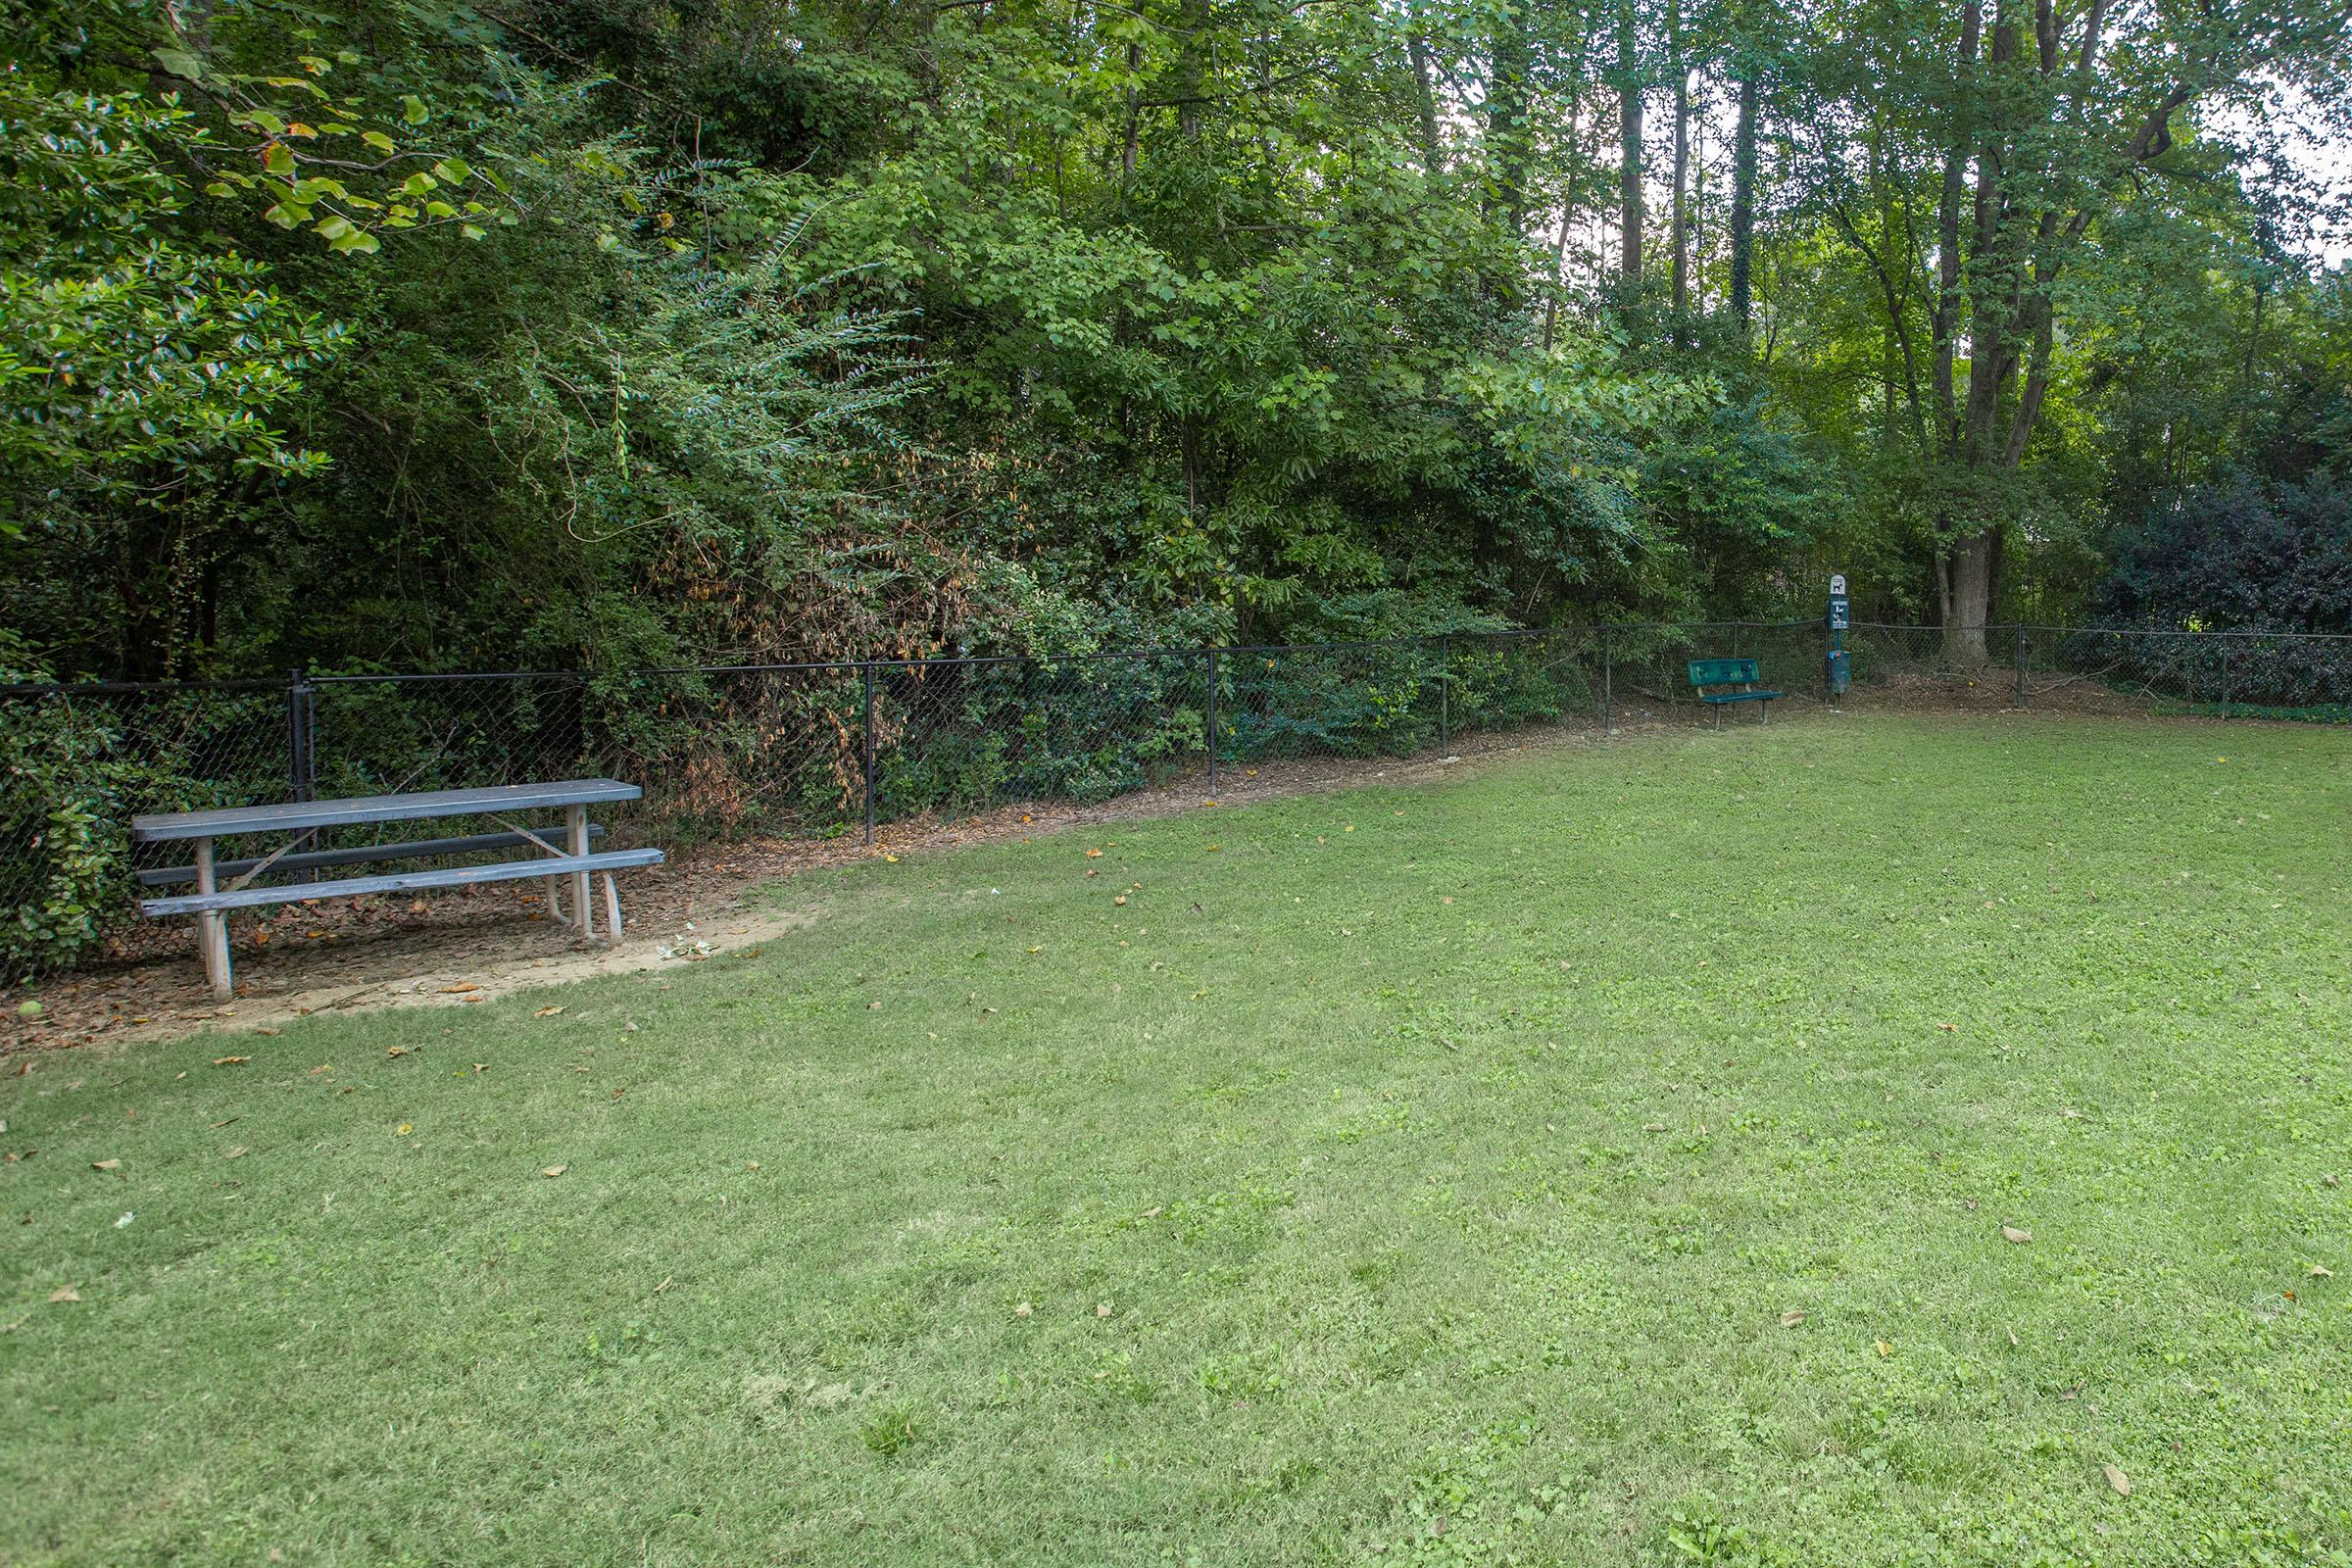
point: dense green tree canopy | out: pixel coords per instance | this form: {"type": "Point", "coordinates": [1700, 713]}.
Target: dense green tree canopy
{"type": "Point", "coordinates": [605, 332]}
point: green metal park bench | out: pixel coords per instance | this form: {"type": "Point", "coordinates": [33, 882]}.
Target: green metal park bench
{"type": "Point", "coordinates": [1739, 672]}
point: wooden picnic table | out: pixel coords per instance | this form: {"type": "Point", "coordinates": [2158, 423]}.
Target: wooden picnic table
{"type": "Point", "coordinates": [562, 853]}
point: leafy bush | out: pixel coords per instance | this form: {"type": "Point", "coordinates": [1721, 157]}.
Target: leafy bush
{"type": "Point", "coordinates": [2240, 555]}
{"type": "Point", "coordinates": [74, 770]}
{"type": "Point", "coordinates": [2245, 558]}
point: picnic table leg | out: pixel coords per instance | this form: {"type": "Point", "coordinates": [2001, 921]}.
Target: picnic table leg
{"type": "Point", "coordinates": [212, 926]}
{"type": "Point", "coordinates": [612, 908]}
{"type": "Point", "coordinates": [576, 842]}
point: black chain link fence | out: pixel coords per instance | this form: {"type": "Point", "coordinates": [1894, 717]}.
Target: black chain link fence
{"type": "Point", "coordinates": [834, 749]}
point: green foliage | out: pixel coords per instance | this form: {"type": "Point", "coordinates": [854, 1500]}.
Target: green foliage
{"type": "Point", "coordinates": [128, 364]}
{"type": "Point", "coordinates": [72, 773]}
{"type": "Point", "coordinates": [391, 334]}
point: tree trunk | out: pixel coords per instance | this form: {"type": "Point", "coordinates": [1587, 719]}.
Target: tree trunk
{"type": "Point", "coordinates": [1743, 196]}
{"type": "Point", "coordinates": [1191, 67]}
{"type": "Point", "coordinates": [1507, 129]}
{"type": "Point", "coordinates": [1425, 98]}
{"type": "Point", "coordinates": [1559, 242]}
{"type": "Point", "coordinates": [1678, 228]}
{"type": "Point", "coordinates": [1628, 140]}
{"type": "Point", "coordinates": [1135, 64]}
{"type": "Point", "coordinates": [1973, 561]}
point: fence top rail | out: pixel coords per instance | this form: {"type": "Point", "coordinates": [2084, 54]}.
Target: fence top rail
{"type": "Point", "coordinates": [1991, 628]}
{"type": "Point", "coordinates": [853, 666]}
{"type": "Point", "coordinates": [126, 688]}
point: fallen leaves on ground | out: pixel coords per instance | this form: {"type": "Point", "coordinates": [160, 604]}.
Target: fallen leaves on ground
{"type": "Point", "coordinates": [1882, 1347]}
{"type": "Point", "coordinates": [1791, 1318]}
{"type": "Point", "coordinates": [547, 1012]}
{"type": "Point", "coordinates": [553, 1170]}
{"type": "Point", "coordinates": [106, 1164]}
{"type": "Point", "coordinates": [459, 989]}
{"type": "Point", "coordinates": [2010, 1233]}
{"type": "Point", "coordinates": [2120, 1482]}
{"type": "Point", "coordinates": [64, 1292]}
{"type": "Point", "coordinates": [230, 1061]}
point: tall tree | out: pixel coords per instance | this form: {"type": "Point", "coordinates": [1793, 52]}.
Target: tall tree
{"type": "Point", "coordinates": [1743, 195]}
{"type": "Point", "coordinates": [1630, 197]}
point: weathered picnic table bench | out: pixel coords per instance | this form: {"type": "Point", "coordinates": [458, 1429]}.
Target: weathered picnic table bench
{"type": "Point", "coordinates": [564, 853]}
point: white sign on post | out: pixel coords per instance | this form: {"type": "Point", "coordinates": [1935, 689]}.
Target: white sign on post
{"type": "Point", "coordinates": [1837, 582]}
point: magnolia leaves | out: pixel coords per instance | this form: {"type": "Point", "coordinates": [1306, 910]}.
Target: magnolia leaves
{"type": "Point", "coordinates": [333, 163]}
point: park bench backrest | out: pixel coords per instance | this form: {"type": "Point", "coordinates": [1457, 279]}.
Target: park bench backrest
{"type": "Point", "coordinates": [1723, 672]}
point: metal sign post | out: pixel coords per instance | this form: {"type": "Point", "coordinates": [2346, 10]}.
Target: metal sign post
{"type": "Point", "coordinates": [1839, 673]}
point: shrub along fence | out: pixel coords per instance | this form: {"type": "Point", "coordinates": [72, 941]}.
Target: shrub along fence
{"type": "Point", "coordinates": [832, 748]}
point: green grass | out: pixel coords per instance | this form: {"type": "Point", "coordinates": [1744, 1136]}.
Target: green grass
{"type": "Point", "coordinates": [1413, 1175]}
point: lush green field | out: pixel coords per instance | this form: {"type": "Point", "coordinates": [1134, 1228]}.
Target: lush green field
{"type": "Point", "coordinates": [1404, 1175]}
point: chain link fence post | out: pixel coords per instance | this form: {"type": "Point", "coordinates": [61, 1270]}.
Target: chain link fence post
{"type": "Point", "coordinates": [1213, 723]}
{"type": "Point", "coordinates": [302, 749]}
{"type": "Point", "coordinates": [1608, 685]}
{"type": "Point", "coordinates": [2021, 665]}
{"type": "Point", "coordinates": [1444, 698]}
{"type": "Point", "coordinates": [868, 670]}
{"type": "Point", "coordinates": [2224, 678]}
{"type": "Point", "coordinates": [301, 756]}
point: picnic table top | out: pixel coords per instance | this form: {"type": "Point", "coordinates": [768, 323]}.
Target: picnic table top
{"type": "Point", "coordinates": [293, 815]}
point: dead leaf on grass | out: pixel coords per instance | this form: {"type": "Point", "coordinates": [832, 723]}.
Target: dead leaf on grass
{"type": "Point", "coordinates": [547, 1012]}
{"type": "Point", "coordinates": [396, 1050]}
{"type": "Point", "coordinates": [1882, 1347]}
{"type": "Point", "coordinates": [230, 1061]}
{"type": "Point", "coordinates": [2010, 1233]}
{"type": "Point", "coordinates": [1791, 1318]}
{"type": "Point", "coordinates": [106, 1164]}
{"type": "Point", "coordinates": [65, 1292]}
{"type": "Point", "coordinates": [237, 1152]}
{"type": "Point", "coordinates": [553, 1170]}
{"type": "Point", "coordinates": [459, 989]}
{"type": "Point", "coordinates": [2120, 1482]}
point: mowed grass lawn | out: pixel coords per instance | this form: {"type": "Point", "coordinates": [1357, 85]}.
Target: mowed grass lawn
{"type": "Point", "coordinates": [1416, 1175]}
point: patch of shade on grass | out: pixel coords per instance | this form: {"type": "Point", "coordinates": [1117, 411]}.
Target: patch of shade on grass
{"type": "Point", "coordinates": [1598, 1158]}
